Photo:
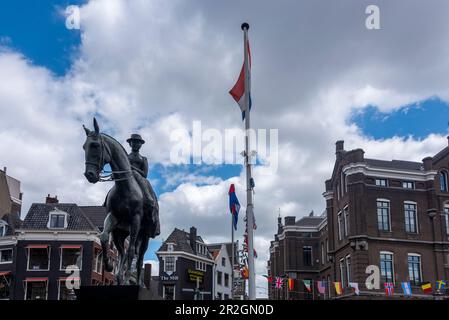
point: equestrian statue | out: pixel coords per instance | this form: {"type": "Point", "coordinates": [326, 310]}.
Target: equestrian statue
{"type": "Point", "coordinates": [131, 204]}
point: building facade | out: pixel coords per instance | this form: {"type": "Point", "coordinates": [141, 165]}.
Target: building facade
{"type": "Point", "coordinates": [186, 267]}
{"type": "Point", "coordinates": [390, 214]}
{"type": "Point", "coordinates": [57, 246]}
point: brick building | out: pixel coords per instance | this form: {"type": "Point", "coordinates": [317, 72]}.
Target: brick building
{"type": "Point", "coordinates": [392, 214]}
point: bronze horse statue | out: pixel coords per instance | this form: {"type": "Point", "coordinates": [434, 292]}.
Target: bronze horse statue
{"type": "Point", "coordinates": [129, 211]}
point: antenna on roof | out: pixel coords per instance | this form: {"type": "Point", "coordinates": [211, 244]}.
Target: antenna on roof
{"type": "Point", "coordinates": [311, 214]}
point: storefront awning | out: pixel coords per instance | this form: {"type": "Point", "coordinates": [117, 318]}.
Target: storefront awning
{"type": "Point", "coordinates": [35, 279]}
{"type": "Point", "coordinates": [37, 246]}
{"type": "Point", "coordinates": [5, 273]}
{"type": "Point", "coordinates": [71, 246]}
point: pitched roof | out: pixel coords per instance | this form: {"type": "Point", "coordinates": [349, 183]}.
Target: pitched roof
{"type": "Point", "coordinates": [37, 217]}
{"type": "Point", "coordinates": [13, 222]}
{"type": "Point", "coordinates": [180, 240]}
{"type": "Point", "coordinates": [395, 164]}
{"type": "Point", "coordinates": [96, 214]}
{"type": "Point", "coordinates": [310, 221]}
{"type": "Point", "coordinates": [216, 247]}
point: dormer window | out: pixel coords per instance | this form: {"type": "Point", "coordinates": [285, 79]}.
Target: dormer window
{"type": "Point", "coordinates": [57, 219]}
{"type": "Point", "coordinates": [170, 247]}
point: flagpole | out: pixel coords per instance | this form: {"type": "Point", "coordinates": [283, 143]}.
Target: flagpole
{"type": "Point", "coordinates": [249, 194]}
{"type": "Point", "coordinates": [232, 257]}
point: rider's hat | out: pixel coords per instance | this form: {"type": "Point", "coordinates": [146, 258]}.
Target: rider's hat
{"type": "Point", "coordinates": [137, 137]}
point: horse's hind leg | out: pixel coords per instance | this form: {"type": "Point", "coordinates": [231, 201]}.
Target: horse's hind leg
{"type": "Point", "coordinates": [135, 227]}
{"type": "Point", "coordinates": [142, 245]}
{"type": "Point", "coordinates": [109, 225]}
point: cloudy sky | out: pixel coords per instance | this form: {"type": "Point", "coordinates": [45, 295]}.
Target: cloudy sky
{"type": "Point", "coordinates": [153, 67]}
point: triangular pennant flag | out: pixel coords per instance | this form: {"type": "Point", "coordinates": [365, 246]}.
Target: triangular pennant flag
{"type": "Point", "coordinates": [338, 288]}
{"type": "Point", "coordinates": [308, 285]}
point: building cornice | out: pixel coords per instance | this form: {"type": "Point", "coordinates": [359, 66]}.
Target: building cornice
{"type": "Point", "coordinates": [328, 195]}
{"type": "Point", "coordinates": [185, 255]}
{"type": "Point", "coordinates": [361, 167]}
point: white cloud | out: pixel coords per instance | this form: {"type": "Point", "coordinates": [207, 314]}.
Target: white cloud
{"type": "Point", "coordinates": [155, 66]}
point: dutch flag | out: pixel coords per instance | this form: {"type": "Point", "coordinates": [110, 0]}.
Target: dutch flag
{"type": "Point", "coordinates": [238, 91]}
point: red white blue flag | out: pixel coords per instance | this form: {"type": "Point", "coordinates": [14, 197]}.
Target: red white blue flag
{"type": "Point", "coordinates": [389, 288]}
{"type": "Point", "coordinates": [234, 206]}
{"type": "Point", "coordinates": [238, 91]}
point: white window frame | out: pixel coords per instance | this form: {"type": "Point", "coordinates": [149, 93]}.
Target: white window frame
{"type": "Point", "coordinates": [28, 260]}
{"type": "Point", "coordinates": [200, 265]}
{"type": "Point", "coordinates": [174, 263]}
{"type": "Point", "coordinates": [380, 184]}
{"type": "Point", "coordinates": [348, 269]}
{"type": "Point", "coordinates": [26, 289]}
{"type": "Point", "coordinates": [12, 255]}
{"type": "Point", "coordinates": [60, 258]}
{"type": "Point", "coordinates": [392, 264]}
{"type": "Point", "coordinates": [446, 217]}
{"type": "Point", "coordinates": [389, 214]}
{"type": "Point", "coordinates": [339, 222]}
{"type": "Point", "coordinates": [174, 290]}
{"type": "Point", "coordinates": [311, 255]}
{"type": "Point", "coordinates": [406, 183]}
{"type": "Point", "coordinates": [57, 212]}
{"type": "Point", "coordinates": [413, 254]}
{"type": "Point", "coordinates": [3, 226]}
{"type": "Point", "coordinates": [98, 258]}
{"type": "Point", "coordinates": [445, 174]}
{"type": "Point", "coordinates": [223, 261]}
{"type": "Point", "coordinates": [342, 272]}
{"type": "Point", "coordinates": [345, 220]}
{"type": "Point", "coordinates": [416, 217]}
{"type": "Point", "coordinates": [59, 287]}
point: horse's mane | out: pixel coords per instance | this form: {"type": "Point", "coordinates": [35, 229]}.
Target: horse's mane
{"type": "Point", "coordinates": [113, 139]}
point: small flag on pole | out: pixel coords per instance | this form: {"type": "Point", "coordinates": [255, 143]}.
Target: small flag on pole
{"type": "Point", "coordinates": [321, 285]}
{"type": "Point", "coordinates": [278, 283]}
{"type": "Point", "coordinates": [308, 285]}
{"type": "Point", "coordinates": [338, 288]}
{"type": "Point", "coordinates": [269, 279]}
{"type": "Point", "coordinates": [427, 287]}
{"type": "Point", "coordinates": [406, 288]}
{"type": "Point", "coordinates": [291, 284]}
{"type": "Point", "coordinates": [441, 285]}
{"type": "Point", "coordinates": [355, 286]}
{"type": "Point", "coordinates": [234, 206]}
{"type": "Point", "coordinates": [238, 91]}
{"type": "Point", "coordinates": [389, 288]}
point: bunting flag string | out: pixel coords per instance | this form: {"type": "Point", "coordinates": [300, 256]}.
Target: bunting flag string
{"type": "Point", "coordinates": [389, 287]}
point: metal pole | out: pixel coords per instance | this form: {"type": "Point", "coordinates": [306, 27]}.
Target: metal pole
{"type": "Point", "coordinates": [249, 194]}
{"type": "Point", "coordinates": [232, 257]}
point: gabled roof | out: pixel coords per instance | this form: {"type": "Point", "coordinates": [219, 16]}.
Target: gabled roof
{"type": "Point", "coordinates": [216, 247]}
{"type": "Point", "coordinates": [96, 214]}
{"type": "Point", "coordinates": [13, 222]}
{"type": "Point", "coordinates": [180, 240]}
{"type": "Point", "coordinates": [38, 215]}
{"type": "Point", "coordinates": [441, 154]}
{"type": "Point", "coordinates": [395, 164]}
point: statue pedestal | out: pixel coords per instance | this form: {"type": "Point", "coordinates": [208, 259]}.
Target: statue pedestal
{"type": "Point", "coordinates": [114, 292]}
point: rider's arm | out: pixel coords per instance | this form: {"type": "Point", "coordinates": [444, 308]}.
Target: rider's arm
{"type": "Point", "coordinates": [145, 166]}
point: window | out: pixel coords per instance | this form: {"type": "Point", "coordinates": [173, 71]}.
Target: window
{"type": "Point", "coordinates": [411, 222]}
{"type": "Point", "coordinates": [408, 185]}
{"type": "Point", "coordinates": [383, 215]}
{"type": "Point", "coordinates": [342, 273]}
{"type": "Point", "coordinates": [38, 258]}
{"type": "Point", "coordinates": [443, 181]}
{"type": "Point", "coordinates": [2, 228]}
{"type": "Point", "coordinates": [170, 247]}
{"type": "Point", "coordinates": [346, 220]}
{"type": "Point", "coordinates": [329, 286]}
{"type": "Point", "coordinates": [98, 263]}
{"type": "Point", "coordinates": [327, 250]}
{"type": "Point", "coordinates": [219, 296]}
{"type": "Point", "coordinates": [386, 266]}
{"type": "Point", "coordinates": [199, 265]}
{"type": "Point", "coordinates": [414, 269]}
{"type": "Point", "coordinates": [6, 256]}
{"type": "Point", "coordinates": [307, 255]}
{"type": "Point", "coordinates": [223, 262]}
{"type": "Point", "coordinates": [381, 182]}
{"type": "Point", "coordinates": [226, 280]}
{"type": "Point", "coordinates": [446, 215]}
{"type": "Point", "coordinates": [219, 278]}
{"type": "Point", "coordinates": [65, 293]}
{"type": "Point", "coordinates": [169, 264]}
{"type": "Point", "coordinates": [348, 268]}
{"type": "Point", "coordinates": [57, 220]}
{"type": "Point", "coordinates": [322, 253]}
{"type": "Point", "coordinates": [5, 282]}
{"type": "Point", "coordinates": [71, 257]}
{"type": "Point", "coordinates": [36, 290]}
{"type": "Point", "coordinates": [168, 292]}
{"type": "Point", "coordinates": [340, 226]}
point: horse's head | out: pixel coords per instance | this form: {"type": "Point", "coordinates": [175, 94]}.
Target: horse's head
{"type": "Point", "coordinates": [95, 153]}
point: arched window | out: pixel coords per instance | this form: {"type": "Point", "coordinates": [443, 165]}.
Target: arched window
{"type": "Point", "coordinates": [443, 181]}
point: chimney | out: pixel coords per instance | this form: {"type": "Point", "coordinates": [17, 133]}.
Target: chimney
{"type": "Point", "coordinates": [339, 145]}
{"type": "Point", "coordinates": [428, 161]}
{"type": "Point", "coordinates": [147, 275]}
{"type": "Point", "coordinates": [193, 239]}
{"type": "Point", "coordinates": [4, 169]}
{"type": "Point", "coordinates": [50, 199]}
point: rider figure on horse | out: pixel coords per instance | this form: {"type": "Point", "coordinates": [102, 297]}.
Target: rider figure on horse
{"type": "Point", "coordinates": [139, 164]}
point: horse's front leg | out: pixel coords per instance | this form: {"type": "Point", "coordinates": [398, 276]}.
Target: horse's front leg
{"type": "Point", "coordinates": [134, 230]}
{"type": "Point", "coordinates": [109, 224]}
